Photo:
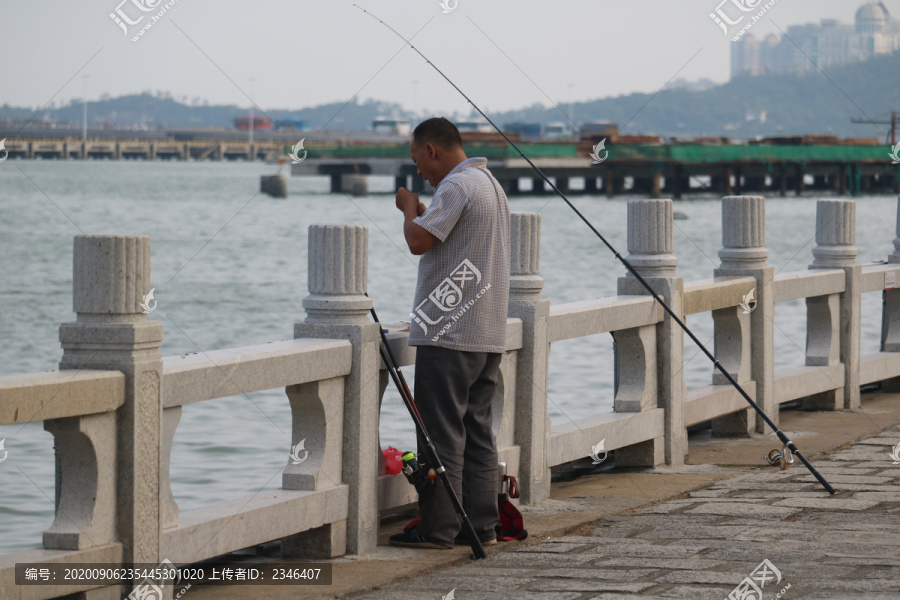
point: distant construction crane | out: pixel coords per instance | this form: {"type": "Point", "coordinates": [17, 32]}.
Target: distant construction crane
{"type": "Point", "coordinates": [894, 123]}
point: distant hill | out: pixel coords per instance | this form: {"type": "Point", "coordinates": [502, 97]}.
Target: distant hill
{"type": "Point", "coordinates": [161, 110]}
{"type": "Point", "coordinates": [793, 104]}
{"type": "Point", "coordinates": [742, 108]}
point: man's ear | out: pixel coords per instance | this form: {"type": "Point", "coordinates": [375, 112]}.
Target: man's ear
{"type": "Point", "coordinates": [432, 151]}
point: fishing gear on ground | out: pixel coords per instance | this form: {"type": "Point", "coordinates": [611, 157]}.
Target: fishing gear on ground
{"type": "Point", "coordinates": [780, 458]}
{"type": "Point", "coordinates": [418, 473]}
{"type": "Point", "coordinates": [510, 526]}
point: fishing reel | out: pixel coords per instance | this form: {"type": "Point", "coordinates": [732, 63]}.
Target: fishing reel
{"type": "Point", "coordinates": [780, 458]}
{"type": "Point", "coordinates": [418, 474]}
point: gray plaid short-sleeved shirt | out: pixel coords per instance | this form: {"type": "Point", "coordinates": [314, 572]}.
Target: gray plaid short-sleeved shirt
{"type": "Point", "coordinates": [463, 286]}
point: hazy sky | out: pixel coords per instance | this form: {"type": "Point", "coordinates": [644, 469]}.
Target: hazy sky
{"type": "Point", "coordinates": [308, 52]}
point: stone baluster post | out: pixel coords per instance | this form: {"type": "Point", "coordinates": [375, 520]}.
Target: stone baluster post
{"type": "Point", "coordinates": [532, 422]}
{"type": "Point", "coordinates": [835, 239]}
{"type": "Point", "coordinates": [744, 254]}
{"type": "Point", "coordinates": [337, 308]}
{"type": "Point", "coordinates": [890, 318]}
{"type": "Point", "coordinates": [111, 332]}
{"type": "Point", "coordinates": [650, 236]}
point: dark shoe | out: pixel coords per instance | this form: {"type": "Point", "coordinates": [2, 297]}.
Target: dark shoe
{"type": "Point", "coordinates": [464, 541]}
{"type": "Point", "coordinates": [413, 539]}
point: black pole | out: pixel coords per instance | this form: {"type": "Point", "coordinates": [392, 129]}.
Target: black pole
{"type": "Point", "coordinates": [430, 452]}
{"type": "Point", "coordinates": [781, 436]}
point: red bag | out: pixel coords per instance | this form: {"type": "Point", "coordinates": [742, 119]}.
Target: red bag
{"type": "Point", "coordinates": [512, 525]}
{"type": "Point", "coordinates": [392, 461]}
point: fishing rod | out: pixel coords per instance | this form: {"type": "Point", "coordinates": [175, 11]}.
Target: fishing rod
{"type": "Point", "coordinates": [787, 443]}
{"type": "Point", "coordinates": [431, 456]}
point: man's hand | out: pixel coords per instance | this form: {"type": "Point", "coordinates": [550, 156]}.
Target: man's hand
{"type": "Point", "coordinates": [418, 238]}
{"type": "Point", "coordinates": [406, 201]}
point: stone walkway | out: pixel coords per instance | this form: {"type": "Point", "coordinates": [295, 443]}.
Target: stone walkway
{"type": "Point", "coordinates": [818, 546]}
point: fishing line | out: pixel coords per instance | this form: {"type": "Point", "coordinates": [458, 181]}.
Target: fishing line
{"type": "Point", "coordinates": [781, 436]}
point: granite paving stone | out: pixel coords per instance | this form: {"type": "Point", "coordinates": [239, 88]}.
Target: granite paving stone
{"type": "Point", "coordinates": [702, 546]}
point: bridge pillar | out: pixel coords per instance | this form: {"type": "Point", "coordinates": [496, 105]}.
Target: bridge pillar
{"type": "Point", "coordinates": [744, 254]}
{"type": "Point", "coordinates": [337, 308]}
{"type": "Point", "coordinates": [835, 239]}
{"type": "Point", "coordinates": [650, 235]}
{"type": "Point", "coordinates": [532, 426]}
{"type": "Point", "coordinates": [119, 453]}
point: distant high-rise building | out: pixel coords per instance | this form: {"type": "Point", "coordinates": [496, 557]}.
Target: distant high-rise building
{"type": "Point", "coordinates": [827, 44]}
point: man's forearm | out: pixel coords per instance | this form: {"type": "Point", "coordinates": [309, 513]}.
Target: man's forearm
{"type": "Point", "coordinates": [417, 237]}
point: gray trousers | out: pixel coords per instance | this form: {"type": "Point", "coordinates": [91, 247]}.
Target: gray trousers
{"type": "Point", "coordinates": [453, 392]}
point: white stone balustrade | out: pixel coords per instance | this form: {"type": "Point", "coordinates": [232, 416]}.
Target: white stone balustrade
{"type": "Point", "coordinates": [114, 406]}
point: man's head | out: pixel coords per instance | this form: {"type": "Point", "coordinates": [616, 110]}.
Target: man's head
{"type": "Point", "coordinates": [436, 148]}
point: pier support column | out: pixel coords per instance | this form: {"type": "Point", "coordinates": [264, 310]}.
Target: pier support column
{"type": "Point", "coordinates": [562, 184]}
{"type": "Point", "coordinates": [744, 254]}
{"type": "Point", "coordinates": [590, 185]}
{"type": "Point", "coordinates": [656, 185]}
{"type": "Point", "coordinates": [537, 186]}
{"type": "Point", "coordinates": [890, 316]}
{"type": "Point", "coordinates": [800, 184]}
{"type": "Point", "coordinates": [337, 308]}
{"type": "Point", "coordinates": [111, 332]}
{"type": "Point", "coordinates": [650, 235]}
{"type": "Point", "coordinates": [835, 239]}
{"type": "Point", "coordinates": [532, 427]}
{"type": "Point", "coordinates": [401, 181]}
{"type": "Point", "coordinates": [675, 183]}
{"type": "Point", "coordinates": [755, 183]}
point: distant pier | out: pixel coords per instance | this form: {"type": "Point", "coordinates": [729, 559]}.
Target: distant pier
{"type": "Point", "coordinates": [650, 170]}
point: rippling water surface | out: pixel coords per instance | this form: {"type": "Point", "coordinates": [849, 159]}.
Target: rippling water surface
{"type": "Point", "coordinates": [229, 268]}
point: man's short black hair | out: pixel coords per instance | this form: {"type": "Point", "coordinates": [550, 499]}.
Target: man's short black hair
{"type": "Point", "coordinates": [438, 131]}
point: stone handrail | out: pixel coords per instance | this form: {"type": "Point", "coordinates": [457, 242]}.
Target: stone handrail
{"type": "Point", "coordinates": [115, 404]}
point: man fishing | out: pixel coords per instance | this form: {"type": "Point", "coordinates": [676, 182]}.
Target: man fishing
{"type": "Point", "coordinates": [458, 326]}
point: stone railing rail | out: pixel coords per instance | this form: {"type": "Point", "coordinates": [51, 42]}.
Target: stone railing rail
{"type": "Point", "coordinates": [115, 404]}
